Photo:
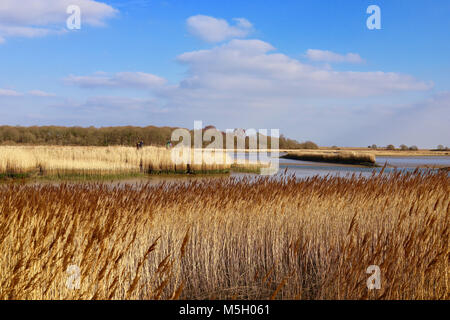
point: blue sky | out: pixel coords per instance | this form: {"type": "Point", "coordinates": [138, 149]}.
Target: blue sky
{"type": "Point", "coordinates": [310, 68]}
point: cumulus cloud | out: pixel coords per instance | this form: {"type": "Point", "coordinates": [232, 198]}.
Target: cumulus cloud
{"type": "Point", "coordinates": [252, 71]}
{"type": "Point", "coordinates": [248, 74]}
{"type": "Point", "coordinates": [329, 56]}
{"type": "Point", "coordinates": [9, 93]}
{"type": "Point", "coordinates": [139, 80]}
{"type": "Point", "coordinates": [30, 18]}
{"type": "Point", "coordinates": [211, 29]}
{"type": "Point", "coordinates": [249, 68]}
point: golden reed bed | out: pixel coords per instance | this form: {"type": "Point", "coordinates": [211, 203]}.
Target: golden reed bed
{"type": "Point", "coordinates": [60, 161]}
{"type": "Point", "coordinates": [260, 238]}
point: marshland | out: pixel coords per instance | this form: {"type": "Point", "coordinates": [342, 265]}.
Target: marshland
{"type": "Point", "coordinates": [305, 233]}
{"type": "Point", "coordinates": [148, 152]}
{"type": "Point", "coordinates": [79, 163]}
{"type": "Point", "coordinates": [228, 238]}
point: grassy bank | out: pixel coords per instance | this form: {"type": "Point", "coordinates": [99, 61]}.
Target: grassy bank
{"type": "Point", "coordinates": [228, 238]}
{"type": "Point", "coordinates": [341, 157]}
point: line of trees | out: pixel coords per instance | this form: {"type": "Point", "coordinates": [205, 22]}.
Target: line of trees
{"type": "Point", "coordinates": [404, 147]}
{"type": "Point", "coordinates": [108, 136]}
{"type": "Point", "coordinates": [78, 136]}
{"type": "Point", "coordinates": [392, 147]}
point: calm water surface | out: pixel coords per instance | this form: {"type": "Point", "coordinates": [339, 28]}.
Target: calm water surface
{"type": "Point", "coordinates": [303, 169]}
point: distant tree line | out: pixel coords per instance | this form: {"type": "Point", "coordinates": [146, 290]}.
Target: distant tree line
{"type": "Point", "coordinates": [78, 136]}
{"type": "Point", "coordinates": [404, 147]}
{"type": "Point", "coordinates": [109, 136]}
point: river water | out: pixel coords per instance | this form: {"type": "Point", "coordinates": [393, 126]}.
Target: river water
{"type": "Point", "coordinates": [303, 169]}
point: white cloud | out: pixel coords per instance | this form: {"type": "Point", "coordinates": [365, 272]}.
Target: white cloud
{"type": "Point", "coordinates": [248, 69]}
{"type": "Point", "coordinates": [31, 18]}
{"type": "Point", "coordinates": [211, 29]}
{"type": "Point", "coordinates": [250, 73]}
{"type": "Point", "coordinates": [138, 80]}
{"type": "Point", "coordinates": [329, 56]}
{"type": "Point", "coordinates": [40, 93]}
{"type": "Point", "coordinates": [9, 93]}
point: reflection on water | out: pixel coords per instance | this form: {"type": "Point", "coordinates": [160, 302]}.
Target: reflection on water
{"type": "Point", "coordinates": [406, 162]}
{"type": "Point", "coordinates": [303, 169]}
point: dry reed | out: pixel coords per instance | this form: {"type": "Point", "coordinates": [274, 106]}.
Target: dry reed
{"type": "Point", "coordinates": [60, 161]}
{"type": "Point", "coordinates": [248, 238]}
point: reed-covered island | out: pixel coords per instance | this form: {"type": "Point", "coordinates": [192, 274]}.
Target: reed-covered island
{"type": "Point", "coordinates": [341, 157]}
